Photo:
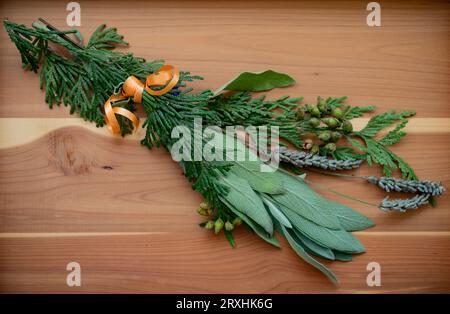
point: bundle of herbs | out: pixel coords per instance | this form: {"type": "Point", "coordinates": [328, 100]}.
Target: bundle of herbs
{"type": "Point", "coordinates": [236, 191]}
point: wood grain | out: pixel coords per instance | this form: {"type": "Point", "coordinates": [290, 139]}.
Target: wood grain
{"type": "Point", "coordinates": [30, 129]}
{"type": "Point", "coordinates": [327, 46]}
{"type": "Point", "coordinates": [119, 179]}
{"type": "Point", "coordinates": [71, 192]}
{"type": "Point", "coordinates": [197, 263]}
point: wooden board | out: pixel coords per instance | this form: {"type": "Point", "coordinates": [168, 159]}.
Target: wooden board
{"type": "Point", "coordinates": [71, 192]}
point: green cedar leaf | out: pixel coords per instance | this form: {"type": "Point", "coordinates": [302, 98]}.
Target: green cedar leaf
{"type": "Point", "coordinates": [343, 153]}
{"type": "Point", "coordinates": [382, 120]}
{"type": "Point", "coordinates": [245, 200]}
{"type": "Point", "coordinates": [340, 240]}
{"type": "Point", "coordinates": [357, 144]}
{"type": "Point", "coordinates": [356, 112]}
{"type": "Point", "coordinates": [105, 38]}
{"type": "Point", "coordinates": [78, 35]}
{"type": "Point", "coordinates": [395, 135]}
{"type": "Point", "coordinates": [350, 220]}
{"type": "Point", "coordinates": [315, 248]}
{"type": "Point", "coordinates": [253, 225]}
{"type": "Point", "coordinates": [230, 238]}
{"type": "Point", "coordinates": [407, 171]}
{"type": "Point", "coordinates": [257, 81]}
{"type": "Point", "coordinates": [300, 250]}
{"type": "Point", "coordinates": [390, 161]}
{"type": "Point", "coordinates": [433, 201]}
{"type": "Point", "coordinates": [276, 213]}
{"type": "Point", "coordinates": [303, 200]}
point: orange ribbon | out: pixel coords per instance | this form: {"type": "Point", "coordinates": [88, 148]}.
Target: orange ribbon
{"type": "Point", "coordinates": [167, 73]}
{"type": "Point", "coordinates": [133, 87]}
{"type": "Point", "coordinates": [110, 114]}
{"type": "Point", "coordinates": [167, 76]}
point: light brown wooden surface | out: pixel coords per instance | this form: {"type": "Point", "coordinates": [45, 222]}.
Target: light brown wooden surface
{"type": "Point", "coordinates": [69, 192]}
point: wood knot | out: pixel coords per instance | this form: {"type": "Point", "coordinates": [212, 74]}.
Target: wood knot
{"type": "Point", "coordinates": [68, 152]}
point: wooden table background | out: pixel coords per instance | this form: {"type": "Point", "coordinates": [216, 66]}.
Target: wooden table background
{"type": "Point", "coordinates": [71, 192]}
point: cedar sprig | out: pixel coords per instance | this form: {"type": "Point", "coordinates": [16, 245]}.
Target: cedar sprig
{"type": "Point", "coordinates": [383, 120]}
{"type": "Point", "coordinates": [105, 38]}
{"type": "Point", "coordinates": [330, 120]}
{"type": "Point", "coordinates": [87, 76]}
{"type": "Point", "coordinates": [242, 109]}
{"type": "Point", "coordinates": [351, 112]}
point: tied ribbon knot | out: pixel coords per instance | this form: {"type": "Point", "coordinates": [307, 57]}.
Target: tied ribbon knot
{"type": "Point", "coordinates": [167, 76]}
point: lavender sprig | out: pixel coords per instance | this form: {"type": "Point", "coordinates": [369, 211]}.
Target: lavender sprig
{"type": "Point", "coordinates": [402, 205]}
{"type": "Point", "coordinates": [302, 159]}
{"type": "Point", "coordinates": [433, 188]}
{"type": "Point", "coordinates": [424, 190]}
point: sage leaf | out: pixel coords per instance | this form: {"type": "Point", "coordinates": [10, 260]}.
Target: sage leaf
{"type": "Point", "coordinates": [303, 200]}
{"type": "Point", "coordinates": [271, 239]}
{"type": "Point", "coordinates": [315, 248]}
{"type": "Point", "coordinates": [265, 182]}
{"type": "Point", "coordinates": [257, 81]}
{"type": "Point", "coordinates": [299, 249]}
{"type": "Point", "coordinates": [342, 256]}
{"type": "Point", "coordinates": [245, 200]}
{"type": "Point", "coordinates": [276, 213]}
{"type": "Point", "coordinates": [350, 220]}
{"type": "Point", "coordinates": [248, 169]}
{"type": "Point", "coordinates": [340, 240]}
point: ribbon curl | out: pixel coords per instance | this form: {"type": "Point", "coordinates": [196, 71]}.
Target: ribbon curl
{"type": "Point", "coordinates": [167, 76]}
{"type": "Point", "coordinates": [167, 73]}
{"type": "Point", "coordinates": [110, 114]}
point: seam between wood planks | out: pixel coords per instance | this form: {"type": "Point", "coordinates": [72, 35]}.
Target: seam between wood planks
{"type": "Point", "coordinates": [7, 235]}
{"type": "Point", "coordinates": [20, 131]}
{"type": "Point", "coordinates": [403, 233]}
{"type": "Point", "coordinates": [72, 234]}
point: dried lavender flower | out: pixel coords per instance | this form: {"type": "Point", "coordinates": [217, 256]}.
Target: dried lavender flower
{"type": "Point", "coordinates": [303, 159]}
{"type": "Point", "coordinates": [433, 188]}
{"type": "Point", "coordinates": [402, 205]}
